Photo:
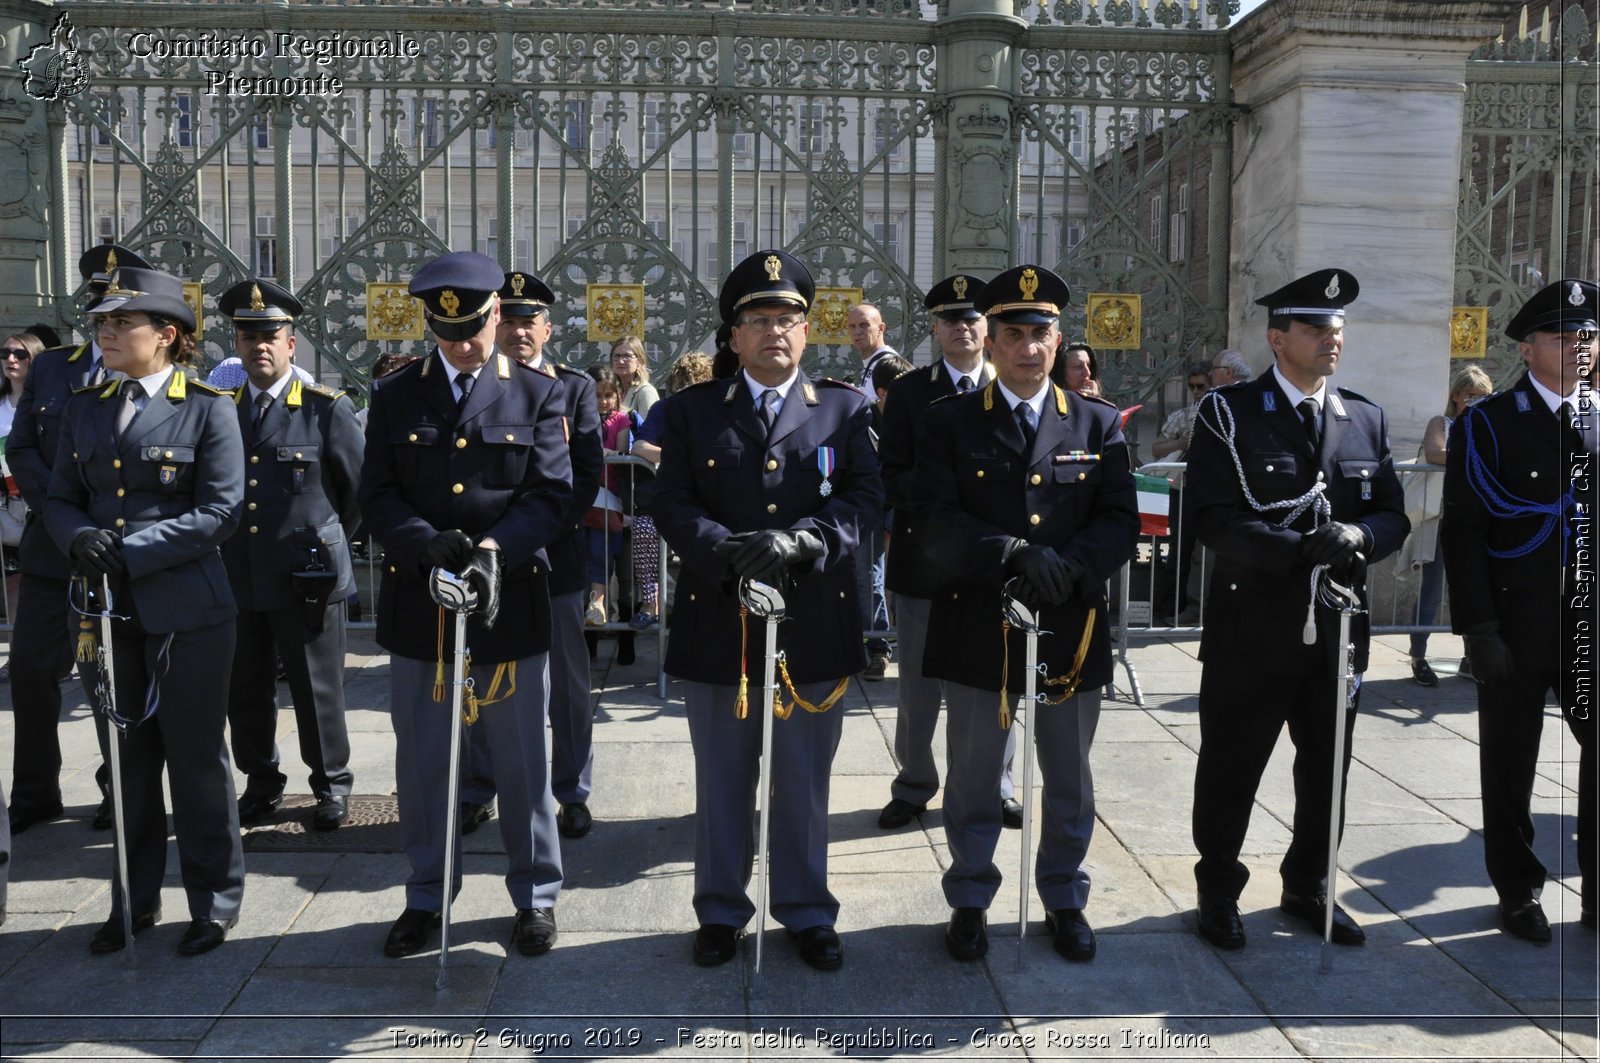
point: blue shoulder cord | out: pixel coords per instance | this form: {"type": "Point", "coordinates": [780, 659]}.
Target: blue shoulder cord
{"type": "Point", "coordinates": [1501, 503]}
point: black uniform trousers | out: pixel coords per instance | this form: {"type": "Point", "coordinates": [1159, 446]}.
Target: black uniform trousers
{"type": "Point", "coordinates": [1511, 719]}
{"type": "Point", "coordinates": [41, 651]}
{"type": "Point", "coordinates": [1241, 717]}
{"type": "Point", "coordinates": [186, 737]}
{"type": "Point", "coordinates": [314, 665]}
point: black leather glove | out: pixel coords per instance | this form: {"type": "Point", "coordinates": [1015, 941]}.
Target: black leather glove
{"type": "Point", "coordinates": [98, 552]}
{"type": "Point", "coordinates": [450, 550]}
{"type": "Point", "coordinates": [483, 573]}
{"type": "Point", "coordinates": [1333, 545]}
{"type": "Point", "coordinates": [1489, 657]}
{"type": "Point", "coordinates": [1046, 578]}
{"type": "Point", "coordinates": [766, 555]}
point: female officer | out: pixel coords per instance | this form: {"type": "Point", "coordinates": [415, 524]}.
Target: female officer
{"type": "Point", "coordinates": [148, 483]}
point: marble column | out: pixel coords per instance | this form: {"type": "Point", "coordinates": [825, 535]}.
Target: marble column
{"type": "Point", "coordinates": [1348, 155]}
{"type": "Point", "coordinates": [976, 40]}
{"type": "Point", "coordinates": [36, 280]}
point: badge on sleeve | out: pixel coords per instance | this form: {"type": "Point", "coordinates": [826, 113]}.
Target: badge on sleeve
{"type": "Point", "coordinates": [825, 464]}
{"type": "Point", "coordinates": [169, 473]}
{"type": "Point", "coordinates": [1269, 401]}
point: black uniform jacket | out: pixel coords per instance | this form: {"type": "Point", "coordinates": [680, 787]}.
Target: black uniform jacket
{"type": "Point", "coordinates": [302, 469]}
{"type": "Point", "coordinates": [976, 489]}
{"type": "Point", "coordinates": [721, 474]}
{"type": "Point", "coordinates": [31, 447]}
{"type": "Point", "coordinates": [904, 573]}
{"type": "Point", "coordinates": [1260, 589]}
{"type": "Point", "coordinates": [172, 488]}
{"type": "Point", "coordinates": [498, 467]}
{"type": "Point", "coordinates": [569, 564]}
{"type": "Point", "coordinates": [1527, 564]}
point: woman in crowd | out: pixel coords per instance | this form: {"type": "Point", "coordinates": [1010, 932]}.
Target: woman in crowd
{"type": "Point", "coordinates": [632, 370]}
{"type": "Point", "coordinates": [149, 482]}
{"type": "Point", "coordinates": [1423, 495]}
{"type": "Point", "coordinates": [1076, 369]}
{"type": "Point", "coordinates": [18, 350]}
{"type": "Point", "coordinates": [605, 543]}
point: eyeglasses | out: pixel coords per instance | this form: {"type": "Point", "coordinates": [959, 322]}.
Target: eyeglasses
{"type": "Point", "coordinates": [761, 323]}
{"type": "Point", "coordinates": [623, 356]}
{"type": "Point", "coordinates": [19, 353]}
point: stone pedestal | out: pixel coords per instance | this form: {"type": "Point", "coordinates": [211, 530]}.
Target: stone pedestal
{"type": "Point", "coordinates": [34, 276]}
{"type": "Point", "coordinates": [1349, 156]}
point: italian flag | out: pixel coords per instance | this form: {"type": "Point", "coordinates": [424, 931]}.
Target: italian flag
{"type": "Point", "coordinates": [1153, 498]}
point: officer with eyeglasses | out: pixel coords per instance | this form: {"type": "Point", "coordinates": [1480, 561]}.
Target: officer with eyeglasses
{"type": "Point", "coordinates": [768, 476]}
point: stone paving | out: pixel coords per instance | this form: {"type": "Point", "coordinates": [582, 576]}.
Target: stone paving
{"type": "Point", "coordinates": [303, 976]}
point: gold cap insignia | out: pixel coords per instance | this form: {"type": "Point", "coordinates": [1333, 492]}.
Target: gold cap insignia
{"type": "Point", "coordinates": [1576, 296]}
{"type": "Point", "coordinates": [111, 261]}
{"type": "Point", "coordinates": [774, 267]}
{"type": "Point", "coordinates": [449, 302]}
{"type": "Point", "coordinates": [961, 287]}
{"type": "Point", "coordinates": [256, 302]}
{"type": "Point", "coordinates": [1028, 282]}
{"type": "Point", "coordinates": [1332, 290]}
{"type": "Point", "coordinates": [517, 281]}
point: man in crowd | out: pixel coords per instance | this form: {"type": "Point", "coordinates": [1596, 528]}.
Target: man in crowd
{"type": "Point", "coordinates": [1172, 602]}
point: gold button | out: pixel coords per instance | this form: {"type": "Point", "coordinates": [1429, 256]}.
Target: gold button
{"type": "Point", "coordinates": [771, 464]}
{"type": "Point", "coordinates": [253, 483]}
{"type": "Point", "coordinates": [252, 506]}
{"type": "Point", "coordinates": [460, 443]}
{"type": "Point", "coordinates": [120, 522]}
{"type": "Point", "coordinates": [1085, 476]}
{"type": "Point", "coordinates": [1034, 519]}
{"type": "Point", "coordinates": [711, 463]}
{"type": "Point", "coordinates": [772, 507]}
{"type": "Point", "coordinates": [254, 458]}
{"type": "Point", "coordinates": [1036, 479]}
{"type": "Point", "coordinates": [116, 463]}
{"type": "Point", "coordinates": [511, 438]}
{"type": "Point", "coordinates": [980, 474]}
{"type": "Point", "coordinates": [254, 529]}
{"type": "Point", "coordinates": [121, 492]}
{"type": "Point", "coordinates": [412, 437]}
{"type": "Point", "coordinates": [168, 454]}
{"type": "Point", "coordinates": [457, 488]}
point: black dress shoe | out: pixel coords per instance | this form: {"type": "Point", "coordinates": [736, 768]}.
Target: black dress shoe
{"type": "Point", "coordinates": [1011, 813]}
{"type": "Point", "coordinates": [1220, 923]}
{"type": "Point", "coordinates": [472, 814]}
{"type": "Point", "coordinates": [204, 935]}
{"type": "Point", "coordinates": [898, 813]}
{"type": "Point", "coordinates": [1071, 934]}
{"type": "Point", "coordinates": [257, 806]}
{"type": "Point", "coordinates": [1422, 672]}
{"type": "Point", "coordinates": [26, 816]}
{"type": "Point", "coordinates": [109, 937]}
{"type": "Point", "coordinates": [1310, 910]}
{"type": "Point", "coordinates": [820, 947]}
{"type": "Point", "coordinates": [715, 944]}
{"type": "Point", "coordinates": [332, 810]}
{"type": "Point", "coordinates": [574, 820]}
{"type": "Point", "coordinates": [1526, 921]}
{"type": "Point", "coordinates": [534, 930]}
{"type": "Point", "coordinates": [105, 815]}
{"type": "Point", "coordinates": [410, 932]}
{"type": "Point", "coordinates": [966, 937]}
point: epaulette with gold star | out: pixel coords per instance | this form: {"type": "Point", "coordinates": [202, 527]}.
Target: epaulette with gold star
{"type": "Point", "coordinates": [209, 389]}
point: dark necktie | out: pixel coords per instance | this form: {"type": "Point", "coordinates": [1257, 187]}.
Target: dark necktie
{"type": "Point", "coordinates": [1311, 418]}
{"type": "Point", "coordinates": [263, 404]}
{"type": "Point", "coordinates": [1025, 422]}
{"type": "Point", "coordinates": [464, 383]}
{"type": "Point", "coordinates": [127, 410]}
{"type": "Point", "coordinates": [964, 385]}
{"type": "Point", "coordinates": [769, 409]}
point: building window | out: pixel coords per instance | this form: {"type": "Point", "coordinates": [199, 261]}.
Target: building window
{"type": "Point", "coordinates": [335, 230]}
{"type": "Point", "coordinates": [263, 132]}
{"type": "Point", "coordinates": [266, 245]}
{"type": "Point", "coordinates": [1156, 220]}
{"type": "Point", "coordinates": [809, 140]}
{"type": "Point", "coordinates": [1077, 139]}
{"type": "Point", "coordinates": [108, 229]}
{"type": "Point", "coordinates": [885, 129]}
{"type": "Point", "coordinates": [1178, 228]}
{"type": "Point", "coordinates": [575, 128]}
{"type": "Point", "coordinates": [887, 234]}
{"type": "Point", "coordinates": [429, 123]}
{"type": "Point", "coordinates": [183, 121]}
{"type": "Point", "coordinates": [108, 107]}
{"type": "Point", "coordinates": [654, 124]}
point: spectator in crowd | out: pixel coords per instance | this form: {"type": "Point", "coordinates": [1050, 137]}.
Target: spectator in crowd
{"type": "Point", "coordinates": [1229, 367]}
{"type": "Point", "coordinates": [47, 335]}
{"type": "Point", "coordinates": [724, 363]}
{"type": "Point", "coordinates": [1424, 496]}
{"type": "Point", "coordinates": [1076, 369]}
{"type": "Point", "coordinates": [866, 328]}
{"type": "Point", "coordinates": [886, 372]}
{"type": "Point", "coordinates": [18, 350]}
{"type": "Point", "coordinates": [1172, 602]}
{"type": "Point", "coordinates": [632, 369]}
{"type": "Point", "coordinates": [605, 543]}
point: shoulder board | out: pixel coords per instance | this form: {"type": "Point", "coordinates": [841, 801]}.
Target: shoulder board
{"type": "Point", "coordinates": [77, 352]}
{"type": "Point", "coordinates": [1101, 400]}
{"type": "Point", "coordinates": [952, 396]}
{"type": "Point", "coordinates": [567, 370]}
{"type": "Point", "coordinates": [202, 386]}
{"type": "Point", "coordinates": [1356, 395]}
{"type": "Point", "coordinates": [829, 382]}
{"type": "Point", "coordinates": [90, 387]}
{"type": "Point", "coordinates": [323, 390]}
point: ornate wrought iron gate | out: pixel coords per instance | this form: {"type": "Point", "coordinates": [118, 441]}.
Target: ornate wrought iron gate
{"type": "Point", "coordinates": [655, 142]}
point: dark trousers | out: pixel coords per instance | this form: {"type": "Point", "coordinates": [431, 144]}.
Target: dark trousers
{"type": "Point", "coordinates": [314, 664]}
{"type": "Point", "coordinates": [42, 642]}
{"type": "Point", "coordinates": [1511, 720]}
{"type": "Point", "coordinates": [1241, 715]}
{"type": "Point", "coordinates": [1172, 572]}
{"type": "Point", "coordinates": [185, 736]}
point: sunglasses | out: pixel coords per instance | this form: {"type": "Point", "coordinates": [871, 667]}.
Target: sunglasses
{"type": "Point", "coordinates": [19, 353]}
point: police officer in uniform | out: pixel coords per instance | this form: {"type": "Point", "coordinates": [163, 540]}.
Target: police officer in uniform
{"type": "Point", "coordinates": [289, 562]}
{"type": "Point", "coordinates": [1021, 484]}
{"type": "Point", "coordinates": [466, 469]}
{"type": "Point", "coordinates": [1518, 523]}
{"type": "Point", "coordinates": [1319, 488]}
{"type": "Point", "coordinates": [147, 486]}
{"type": "Point", "coordinates": [524, 330]}
{"type": "Point", "coordinates": [770, 476]}
{"type": "Point", "coordinates": [959, 330]}
{"type": "Point", "coordinates": [42, 637]}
